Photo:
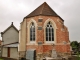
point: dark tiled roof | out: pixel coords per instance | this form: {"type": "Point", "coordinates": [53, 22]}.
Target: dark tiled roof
{"type": "Point", "coordinates": [9, 28]}
{"type": "Point", "coordinates": [43, 9]}
{"type": "Point", "coordinates": [11, 43]}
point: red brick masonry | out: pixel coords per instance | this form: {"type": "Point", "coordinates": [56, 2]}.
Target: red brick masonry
{"type": "Point", "coordinates": [62, 36]}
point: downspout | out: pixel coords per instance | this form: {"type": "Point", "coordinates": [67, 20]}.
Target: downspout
{"type": "Point", "coordinates": [2, 44]}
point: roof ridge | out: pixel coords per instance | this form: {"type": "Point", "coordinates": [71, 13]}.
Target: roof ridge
{"type": "Point", "coordinates": [45, 10]}
{"type": "Point", "coordinates": [43, 7]}
{"type": "Point", "coordinates": [12, 25]}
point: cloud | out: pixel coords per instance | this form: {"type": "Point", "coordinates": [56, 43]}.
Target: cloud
{"type": "Point", "coordinates": [16, 10]}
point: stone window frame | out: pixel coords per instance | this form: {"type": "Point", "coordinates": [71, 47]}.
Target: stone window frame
{"type": "Point", "coordinates": [54, 26]}
{"type": "Point", "coordinates": [32, 31]}
{"type": "Point", "coordinates": [28, 32]}
{"type": "Point", "coordinates": [49, 31]}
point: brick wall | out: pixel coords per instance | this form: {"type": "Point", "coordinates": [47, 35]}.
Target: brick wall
{"type": "Point", "coordinates": [61, 38]}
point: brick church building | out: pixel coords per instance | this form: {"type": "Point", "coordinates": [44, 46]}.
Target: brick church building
{"type": "Point", "coordinates": [43, 30]}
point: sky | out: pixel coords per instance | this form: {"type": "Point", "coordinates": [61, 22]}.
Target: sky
{"type": "Point", "coordinates": [15, 10]}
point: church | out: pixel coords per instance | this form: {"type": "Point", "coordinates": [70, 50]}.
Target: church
{"type": "Point", "coordinates": [43, 30]}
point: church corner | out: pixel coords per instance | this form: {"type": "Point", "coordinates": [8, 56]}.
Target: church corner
{"type": "Point", "coordinates": [43, 32]}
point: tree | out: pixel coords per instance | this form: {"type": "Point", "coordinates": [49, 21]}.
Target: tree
{"type": "Point", "coordinates": [74, 45]}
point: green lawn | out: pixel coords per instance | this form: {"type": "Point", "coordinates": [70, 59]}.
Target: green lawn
{"type": "Point", "coordinates": [78, 58]}
{"type": "Point", "coordinates": [1, 59]}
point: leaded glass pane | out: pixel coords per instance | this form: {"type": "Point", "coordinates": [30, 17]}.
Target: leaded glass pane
{"type": "Point", "coordinates": [49, 38]}
{"type": "Point", "coordinates": [49, 32]}
{"type": "Point", "coordinates": [46, 30]}
{"type": "Point", "coordinates": [49, 29]}
{"type": "Point", "coordinates": [33, 29]}
{"type": "Point", "coordinates": [52, 34]}
{"type": "Point", "coordinates": [52, 30]}
{"type": "Point", "coordinates": [52, 38]}
{"type": "Point", "coordinates": [46, 34]}
{"type": "Point", "coordinates": [30, 39]}
{"type": "Point", "coordinates": [50, 25]}
{"type": "Point", "coordinates": [32, 32]}
{"type": "Point", "coordinates": [33, 39]}
{"type": "Point", "coordinates": [46, 38]}
{"type": "Point", "coordinates": [47, 25]}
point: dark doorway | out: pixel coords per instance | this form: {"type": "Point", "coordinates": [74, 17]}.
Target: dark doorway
{"type": "Point", "coordinates": [8, 52]}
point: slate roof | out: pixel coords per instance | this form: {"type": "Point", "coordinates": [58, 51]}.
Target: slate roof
{"type": "Point", "coordinates": [11, 45]}
{"type": "Point", "coordinates": [44, 10]}
{"type": "Point", "coordinates": [9, 28]}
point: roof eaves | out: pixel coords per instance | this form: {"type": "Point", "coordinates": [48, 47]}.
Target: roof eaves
{"type": "Point", "coordinates": [16, 28]}
{"type": "Point", "coordinates": [42, 8]}
{"type": "Point", "coordinates": [9, 28]}
{"type": "Point", "coordinates": [11, 43]}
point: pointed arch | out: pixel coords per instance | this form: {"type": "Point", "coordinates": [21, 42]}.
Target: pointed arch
{"type": "Point", "coordinates": [31, 31]}
{"type": "Point", "coordinates": [50, 31]}
{"type": "Point", "coordinates": [52, 21]}
{"type": "Point", "coordinates": [32, 20]}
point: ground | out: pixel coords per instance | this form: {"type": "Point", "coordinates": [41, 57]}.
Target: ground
{"type": "Point", "coordinates": [70, 58]}
{"type": "Point", "coordinates": [5, 58]}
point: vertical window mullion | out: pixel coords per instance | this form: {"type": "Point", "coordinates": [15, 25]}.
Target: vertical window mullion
{"type": "Point", "coordinates": [32, 32]}
{"type": "Point", "coordinates": [46, 34]}
{"type": "Point", "coordinates": [49, 32]}
{"type": "Point", "coordinates": [52, 34]}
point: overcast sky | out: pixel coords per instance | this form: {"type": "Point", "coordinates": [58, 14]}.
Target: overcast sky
{"type": "Point", "coordinates": [16, 10]}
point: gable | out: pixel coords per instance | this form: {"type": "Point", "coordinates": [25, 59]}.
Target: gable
{"type": "Point", "coordinates": [43, 10]}
{"type": "Point", "coordinates": [10, 36]}
{"type": "Point", "coordinates": [11, 30]}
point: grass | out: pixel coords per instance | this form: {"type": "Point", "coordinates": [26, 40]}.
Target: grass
{"type": "Point", "coordinates": [1, 59]}
{"type": "Point", "coordinates": [78, 58]}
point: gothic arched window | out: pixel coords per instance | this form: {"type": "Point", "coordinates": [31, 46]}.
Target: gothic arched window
{"type": "Point", "coordinates": [32, 32]}
{"type": "Point", "coordinates": [49, 32]}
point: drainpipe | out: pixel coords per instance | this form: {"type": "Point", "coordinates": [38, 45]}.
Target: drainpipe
{"type": "Point", "coordinates": [1, 43]}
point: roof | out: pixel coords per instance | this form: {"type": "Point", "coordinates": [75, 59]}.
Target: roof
{"type": "Point", "coordinates": [11, 45]}
{"type": "Point", "coordinates": [44, 10]}
{"type": "Point", "coordinates": [9, 28]}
